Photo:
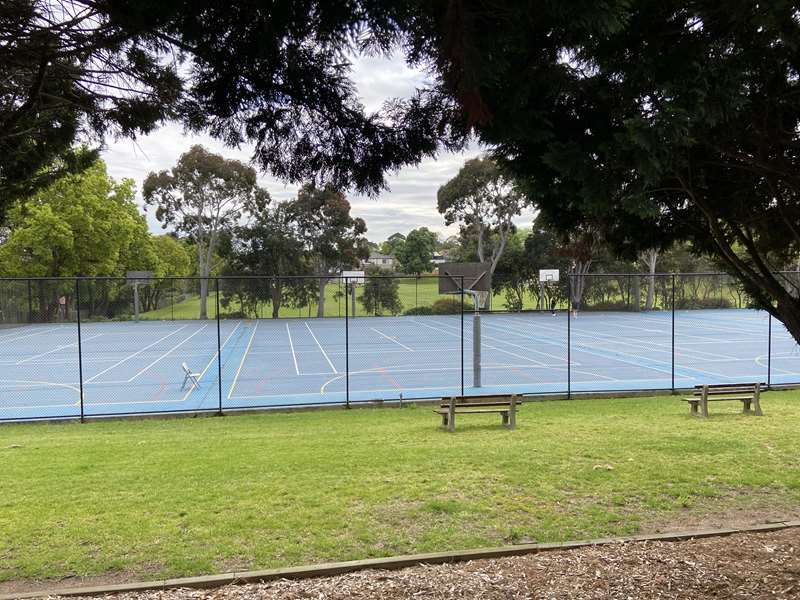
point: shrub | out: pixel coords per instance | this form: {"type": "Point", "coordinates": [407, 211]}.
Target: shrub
{"type": "Point", "coordinates": [447, 306]}
{"type": "Point", "coordinates": [419, 310]}
{"type": "Point", "coordinates": [688, 303]}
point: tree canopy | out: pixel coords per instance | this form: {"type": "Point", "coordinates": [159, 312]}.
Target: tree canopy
{"type": "Point", "coordinates": [84, 224]}
{"type": "Point", "coordinates": [333, 240]}
{"type": "Point", "coordinates": [484, 201]}
{"type": "Point", "coordinates": [415, 253]}
{"type": "Point", "coordinates": [204, 195]}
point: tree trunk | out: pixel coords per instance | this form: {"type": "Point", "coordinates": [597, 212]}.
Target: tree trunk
{"type": "Point", "coordinates": [323, 281]}
{"type": "Point", "coordinates": [275, 295]}
{"type": "Point", "coordinates": [579, 283]}
{"type": "Point", "coordinates": [650, 258]}
{"type": "Point", "coordinates": [203, 297]}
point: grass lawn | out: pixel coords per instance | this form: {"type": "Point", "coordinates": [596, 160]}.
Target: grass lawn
{"type": "Point", "coordinates": [154, 498]}
{"type": "Point", "coordinates": [412, 293]}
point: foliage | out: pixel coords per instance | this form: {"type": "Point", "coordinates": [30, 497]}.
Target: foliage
{"type": "Point", "coordinates": [649, 121]}
{"type": "Point", "coordinates": [484, 201]}
{"type": "Point", "coordinates": [268, 248]}
{"type": "Point", "coordinates": [415, 253]}
{"type": "Point", "coordinates": [381, 293]}
{"type": "Point", "coordinates": [333, 240]}
{"type": "Point", "coordinates": [419, 311]}
{"type": "Point", "coordinates": [84, 224]}
{"type": "Point", "coordinates": [448, 306]}
{"type": "Point", "coordinates": [204, 196]}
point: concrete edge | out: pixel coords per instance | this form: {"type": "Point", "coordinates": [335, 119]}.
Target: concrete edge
{"type": "Point", "coordinates": [391, 562]}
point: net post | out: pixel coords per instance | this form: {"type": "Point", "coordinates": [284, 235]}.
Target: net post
{"type": "Point", "coordinates": [569, 336]}
{"type": "Point", "coordinates": [462, 335]}
{"type": "Point", "coordinates": [80, 345]}
{"type": "Point", "coordinates": [347, 345]}
{"type": "Point", "coordinates": [672, 362]}
{"type": "Point", "coordinates": [219, 349]}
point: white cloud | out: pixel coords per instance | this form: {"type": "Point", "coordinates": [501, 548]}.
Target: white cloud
{"type": "Point", "coordinates": [409, 202]}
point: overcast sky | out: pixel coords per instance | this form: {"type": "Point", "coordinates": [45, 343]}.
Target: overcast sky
{"type": "Point", "coordinates": [409, 202]}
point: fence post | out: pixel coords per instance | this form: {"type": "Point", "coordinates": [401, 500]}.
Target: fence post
{"type": "Point", "coordinates": [30, 302]}
{"type": "Point", "coordinates": [346, 346]}
{"type": "Point", "coordinates": [672, 362]}
{"type": "Point", "coordinates": [569, 336]}
{"type": "Point", "coordinates": [769, 350]}
{"type": "Point", "coordinates": [80, 346]}
{"type": "Point", "coordinates": [219, 349]}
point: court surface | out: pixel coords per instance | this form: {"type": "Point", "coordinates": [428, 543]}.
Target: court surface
{"type": "Point", "coordinates": [136, 367]}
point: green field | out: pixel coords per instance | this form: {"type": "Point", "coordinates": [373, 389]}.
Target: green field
{"type": "Point", "coordinates": [412, 293]}
{"type": "Point", "coordinates": [154, 498]}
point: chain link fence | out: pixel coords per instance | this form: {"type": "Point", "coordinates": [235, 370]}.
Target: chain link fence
{"type": "Point", "coordinates": [77, 348]}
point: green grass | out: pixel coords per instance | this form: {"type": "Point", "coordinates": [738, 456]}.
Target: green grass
{"type": "Point", "coordinates": [422, 293]}
{"type": "Point", "coordinates": [158, 498]}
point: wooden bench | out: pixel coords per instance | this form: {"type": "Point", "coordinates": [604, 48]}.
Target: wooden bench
{"type": "Point", "coordinates": [504, 405]}
{"type": "Point", "coordinates": [746, 393]}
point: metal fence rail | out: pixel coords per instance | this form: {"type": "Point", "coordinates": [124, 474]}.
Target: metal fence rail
{"type": "Point", "coordinates": [77, 348]}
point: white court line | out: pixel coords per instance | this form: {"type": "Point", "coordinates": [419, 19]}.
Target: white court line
{"type": "Point", "coordinates": [486, 345]}
{"type": "Point", "coordinates": [391, 339]}
{"type": "Point", "coordinates": [325, 354]}
{"type": "Point", "coordinates": [137, 353]}
{"type": "Point", "coordinates": [241, 363]}
{"type": "Point", "coordinates": [24, 360]}
{"type": "Point", "coordinates": [166, 354]}
{"type": "Point", "coordinates": [210, 362]}
{"type": "Point", "coordinates": [22, 337]}
{"type": "Point", "coordinates": [291, 345]}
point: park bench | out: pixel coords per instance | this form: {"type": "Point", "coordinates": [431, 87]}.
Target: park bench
{"type": "Point", "coordinates": [746, 393]}
{"type": "Point", "coordinates": [504, 405]}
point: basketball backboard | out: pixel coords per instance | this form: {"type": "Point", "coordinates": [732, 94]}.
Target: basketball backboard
{"type": "Point", "coordinates": [476, 277]}
{"type": "Point", "coordinates": [548, 275]}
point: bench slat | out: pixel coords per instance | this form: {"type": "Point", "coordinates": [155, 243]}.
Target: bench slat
{"type": "Point", "coordinates": [467, 412]}
{"type": "Point", "coordinates": [446, 405]}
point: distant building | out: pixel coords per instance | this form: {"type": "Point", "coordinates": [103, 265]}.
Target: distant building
{"type": "Point", "coordinates": [384, 261]}
{"type": "Point", "coordinates": [441, 257]}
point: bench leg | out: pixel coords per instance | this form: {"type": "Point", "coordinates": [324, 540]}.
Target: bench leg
{"type": "Point", "coordinates": [757, 401]}
{"type": "Point", "coordinates": [746, 407]}
{"type": "Point", "coordinates": [505, 419]}
{"type": "Point", "coordinates": [704, 402]}
{"type": "Point", "coordinates": [451, 415]}
{"type": "Point", "coordinates": [693, 409]}
{"type": "Point", "coordinates": [444, 420]}
{"type": "Point", "coordinates": [513, 414]}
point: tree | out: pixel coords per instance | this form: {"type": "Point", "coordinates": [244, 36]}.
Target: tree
{"type": "Point", "coordinates": [416, 252]}
{"type": "Point", "coordinates": [75, 69]}
{"type": "Point", "coordinates": [660, 120]}
{"type": "Point", "coordinates": [381, 293]}
{"type": "Point", "coordinates": [333, 240]}
{"type": "Point", "coordinates": [84, 224]}
{"type": "Point", "coordinates": [268, 247]}
{"type": "Point", "coordinates": [393, 244]}
{"type": "Point", "coordinates": [482, 198]}
{"type": "Point", "coordinates": [169, 258]}
{"type": "Point", "coordinates": [204, 195]}
{"type": "Point", "coordinates": [649, 258]}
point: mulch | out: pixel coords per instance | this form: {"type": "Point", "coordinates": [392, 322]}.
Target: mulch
{"type": "Point", "coordinates": [752, 566]}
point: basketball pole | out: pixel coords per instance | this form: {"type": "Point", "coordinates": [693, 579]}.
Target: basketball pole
{"type": "Point", "coordinates": [476, 339]}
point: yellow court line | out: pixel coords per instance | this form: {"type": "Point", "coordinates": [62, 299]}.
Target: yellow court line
{"type": "Point", "coordinates": [241, 364]}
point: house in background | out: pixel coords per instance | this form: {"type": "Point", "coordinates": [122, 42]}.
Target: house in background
{"type": "Point", "coordinates": [384, 261]}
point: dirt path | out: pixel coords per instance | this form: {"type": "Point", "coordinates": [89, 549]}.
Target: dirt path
{"type": "Point", "coordinates": [760, 565]}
